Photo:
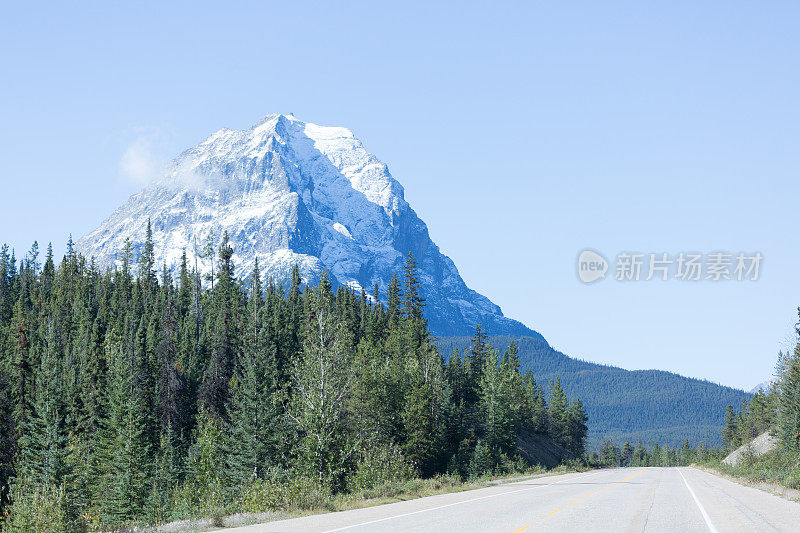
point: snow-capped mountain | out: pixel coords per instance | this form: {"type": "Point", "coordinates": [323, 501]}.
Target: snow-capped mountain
{"type": "Point", "coordinates": [764, 386]}
{"type": "Point", "coordinates": [290, 192]}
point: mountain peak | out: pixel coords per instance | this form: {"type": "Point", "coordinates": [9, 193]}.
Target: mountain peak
{"type": "Point", "coordinates": [292, 192]}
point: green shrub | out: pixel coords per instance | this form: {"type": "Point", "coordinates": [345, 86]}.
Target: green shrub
{"type": "Point", "coordinates": [378, 466]}
{"type": "Point", "coordinates": [194, 500]}
{"type": "Point", "coordinates": [299, 493]}
{"type": "Point", "coordinates": [573, 464]}
{"type": "Point", "coordinates": [37, 508]}
{"type": "Point", "coordinates": [482, 461]}
{"type": "Point", "coordinates": [204, 493]}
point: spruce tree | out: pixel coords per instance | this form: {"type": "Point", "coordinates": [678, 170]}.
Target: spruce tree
{"type": "Point", "coordinates": [393, 302]}
{"type": "Point", "coordinates": [729, 433]}
{"type": "Point", "coordinates": [413, 306]}
{"type": "Point", "coordinates": [419, 425]}
{"type": "Point", "coordinates": [255, 409]}
{"type": "Point", "coordinates": [225, 342]}
{"type": "Point", "coordinates": [558, 414]}
{"type": "Point", "coordinates": [495, 401]}
{"type": "Point", "coordinates": [626, 454]}
{"type": "Point", "coordinates": [127, 446]}
{"type": "Point", "coordinates": [479, 352]}
{"type": "Point", "coordinates": [578, 429]}
{"type": "Point", "coordinates": [44, 442]}
{"type": "Point", "coordinates": [147, 263]}
{"type": "Point", "coordinates": [7, 438]}
{"type": "Point", "coordinates": [789, 413]}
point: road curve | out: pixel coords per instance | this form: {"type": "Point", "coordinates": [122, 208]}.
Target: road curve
{"type": "Point", "coordinates": [614, 500]}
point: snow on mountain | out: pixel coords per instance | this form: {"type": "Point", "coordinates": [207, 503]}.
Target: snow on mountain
{"type": "Point", "coordinates": [289, 192]}
{"type": "Point", "coordinates": [764, 386]}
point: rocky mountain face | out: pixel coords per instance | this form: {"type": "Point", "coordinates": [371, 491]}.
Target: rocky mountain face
{"type": "Point", "coordinates": [289, 192]}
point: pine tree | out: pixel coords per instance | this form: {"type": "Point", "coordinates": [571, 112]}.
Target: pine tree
{"type": "Point", "coordinates": [640, 456]}
{"type": "Point", "coordinates": [147, 263]}
{"type": "Point", "coordinates": [22, 371]}
{"type": "Point", "coordinates": [127, 446]}
{"type": "Point", "coordinates": [626, 454]}
{"type": "Point", "coordinates": [185, 288]}
{"type": "Point", "coordinates": [44, 442]}
{"type": "Point", "coordinates": [482, 461]}
{"type": "Point", "coordinates": [418, 425]}
{"type": "Point", "coordinates": [686, 454]}
{"type": "Point", "coordinates": [577, 428]}
{"type": "Point", "coordinates": [172, 388]}
{"type": "Point", "coordinates": [225, 336]}
{"type": "Point", "coordinates": [413, 306]}
{"type": "Point", "coordinates": [656, 456]}
{"type": "Point", "coordinates": [495, 400]}
{"type": "Point", "coordinates": [207, 477]}
{"type": "Point", "coordinates": [393, 302]}
{"type": "Point", "coordinates": [610, 454]}
{"type": "Point", "coordinates": [479, 352]}
{"type": "Point", "coordinates": [535, 417]}
{"type": "Point", "coordinates": [729, 433]}
{"type": "Point", "coordinates": [789, 413]}
{"type": "Point", "coordinates": [255, 410]}
{"type": "Point", "coordinates": [7, 438]}
{"type": "Point", "coordinates": [558, 414]}
{"type": "Point", "coordinates": [168, 471]}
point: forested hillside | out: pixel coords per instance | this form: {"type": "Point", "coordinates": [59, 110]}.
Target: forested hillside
{"type": "Point", "coordinates": [627, 405]}
{"type": "Point", "coordinates": [129, 397]}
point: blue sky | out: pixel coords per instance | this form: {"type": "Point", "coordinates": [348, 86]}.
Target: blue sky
{"type": "Point", "coordinates": [522, 132]}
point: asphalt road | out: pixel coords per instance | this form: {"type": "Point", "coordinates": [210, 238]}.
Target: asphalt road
{"type": "Point", "coordinates": [621, 499]}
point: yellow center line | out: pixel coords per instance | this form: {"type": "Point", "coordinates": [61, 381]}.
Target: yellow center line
{"type": "Point", "coordinates": [629, 478]}
{"type": "Point", "coordinates": [589, 494]}
{"type": "Point", "coordinates": [520, 530]}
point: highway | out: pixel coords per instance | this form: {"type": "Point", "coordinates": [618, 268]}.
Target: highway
{"type": "Point", "coordinates": [614, 500]}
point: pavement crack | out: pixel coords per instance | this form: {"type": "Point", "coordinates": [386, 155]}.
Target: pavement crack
{"type": "Point", "coordinates": [652, 501]}
{"type": "Point", "coordinates": [647, 514]}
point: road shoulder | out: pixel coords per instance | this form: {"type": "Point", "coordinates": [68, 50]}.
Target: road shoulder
{"type": "Point", "coordinates": [772, 488]}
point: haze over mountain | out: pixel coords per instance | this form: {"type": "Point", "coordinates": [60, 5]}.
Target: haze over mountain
{"type": "Point", "coordinates": [290, 192]}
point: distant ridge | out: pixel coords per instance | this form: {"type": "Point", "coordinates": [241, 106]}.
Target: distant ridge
{"type": "Point", "coordinates": [626, 405]}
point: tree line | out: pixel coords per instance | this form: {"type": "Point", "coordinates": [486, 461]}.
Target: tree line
{"type": "Point", "coordinates": [626, 405]}
{"type": "Point", "coordinates": [776, 410]}
{"type": "Point", "coordinates": [610, 454]}
{"type": "Point", "coordinates": [129, 395]}
{"type": "Point", "coordinates": [753, 418]}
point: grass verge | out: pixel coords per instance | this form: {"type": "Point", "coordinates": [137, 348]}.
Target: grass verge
{"type": "Point", "coordinates": [248, 512]}
{"type": "Point", "coordinates": [776, 471]}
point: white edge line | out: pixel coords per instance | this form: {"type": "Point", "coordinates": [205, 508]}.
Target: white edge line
{"type": "Point", "coordinates": [459, 503]}
{"type": "Point", "coordinates": [699, 505]}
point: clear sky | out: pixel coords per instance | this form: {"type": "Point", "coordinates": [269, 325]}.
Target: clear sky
{"type": "Point", "coordinates": [522, 132]}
